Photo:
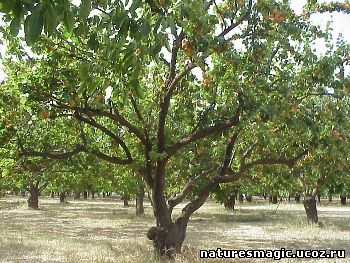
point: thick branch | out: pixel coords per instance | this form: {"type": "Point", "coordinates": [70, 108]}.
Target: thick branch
{"type": "Point", "coordinates": [228, 154]}
{"type": "Point", "coordinates": [164, 106]}
{"type": "Point", "coordinates": [108, 158]}
{"type": "Point", "coordinates": [178, 198]}
{"type": "Point", "coordinates": [207, 131]}
{"type": "Point", "coordinates": [119, 140]}
{"type": "Point", "coordinates": [53, 154]}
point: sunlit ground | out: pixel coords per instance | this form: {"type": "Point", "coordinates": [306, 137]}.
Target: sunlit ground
{"type": "Point", "coordinates": [102, 230]}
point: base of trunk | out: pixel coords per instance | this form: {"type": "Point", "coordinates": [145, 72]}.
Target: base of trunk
{"type": "Point", "coordinates": [139, 201]}
{"type": "Point", "coordinates": [230, 202]}
{"type": "Point", "coordinates": [343, 200]}
{"type": "Point", "coordinates": [33, 200]}
{"type": "Point", "coordinates": [310, 209]}
{"type": "Point", "coordinates": [167, 241]}
{"type": "Point", "coordinates": [62, 197]}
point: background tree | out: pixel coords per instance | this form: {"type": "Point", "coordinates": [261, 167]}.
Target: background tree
{"type": "Point", "coordinates": [257, 63]}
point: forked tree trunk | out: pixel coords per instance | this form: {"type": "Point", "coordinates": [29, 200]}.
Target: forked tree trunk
{"type": "Point", "coordinates": [343, 200]}
{"type": "Point", "coordinates": [168, 240]}
{"type": "Point", "coordinates": [310, 209]}
{"type": "Point", "coordinates": [62, 197]}
{"type": "Point", "coordinates": [33, 200]}
{"type": "Point", "coordinates": [230, 202]}
{"type": "Point", "coordinates": [140, 194]}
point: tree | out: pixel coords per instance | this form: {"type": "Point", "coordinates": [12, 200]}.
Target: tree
{"type": "Point", "coordinates": [247, 110]}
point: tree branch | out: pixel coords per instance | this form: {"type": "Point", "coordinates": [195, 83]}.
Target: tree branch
{"type": "Point", "coordinates": [93, 123]}
{"type": "Point", "coordinates": [240, 20]}
{"type": "Point", "coordinates": [218, 127]}
{"type": "Point", "coordinates": [178, 198]}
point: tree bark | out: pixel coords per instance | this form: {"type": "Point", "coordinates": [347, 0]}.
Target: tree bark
{"type": "Point", "coordinates": [319, 198]}
{"type": "Point", "coordinates": [343, 200]}
{"type": "Point", "coordinates": [52, 194]}
{"type": "Point", "coordinates": [297, 198]}
{"type": "Point", "coordinates": [85, 194]}
{"type": "Point", "coordinates": [33, 200]}
{"type": "Point", "coordinates": [330, 198]}
{"type": "Point", "coordinates": [140, 194]}
{"type": "Point", "coordinates": [62, 197]}
{"type": "Point", "coordinates": [310, 209]}
{"type": "Point", "coordinates": [168, 240]}
{"type": "Point", "coordinates": [240, 198]}
{"type": "Point", "coordinates": [92, 195]}
{"type": "Point", "coordinates": [274, 199]}
{"type": "Point", "coordinates": [230, 202]}
{"type": "Point", "coordinates": [248, 198]}
{"type": "Point", "coordinates": [126, 199]}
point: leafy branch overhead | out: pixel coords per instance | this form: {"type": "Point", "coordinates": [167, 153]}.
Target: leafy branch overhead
{"type": "Point", "coordinates": [188, 95]}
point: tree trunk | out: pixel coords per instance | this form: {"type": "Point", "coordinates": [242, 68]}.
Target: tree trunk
{"type": "Point", "coordinates": [319, 198]}
{"type": "Point", "coordinates": [103, 194]}
{"type": "Point", "coordinates": [248, 198]}
{"type": "Point", "coordinates": [274, 199]}
{"type": "Point", "coordinates": [85, 194]}
{"type": "Point", "coordinates": [92, 195]}
{"type": "Point", "coordinates": [126, 199]}
{"type": "Point", "coordinates": [330, 198]}
{"type": "Point", "coordinates": [52, 194]}
{"type": "Point", "coordinates": [343, 200]}
{"type": "Point", "coordinates": [240, 198]}
{"type": "Point", "coordinates": [33, 200]}
{"type": "Point", "coordinates": [288, 198]}
{"type": "Point", "coordinates": [270, 199]}
{"type": "Point", "coordinates": [167, 241]}
{"type": "Point", "coordinates": [23, 193]}
{"type": "Point", "coordinates": [310, 209]}
{"type": "Point", "coordinates": [297, 198]}
{"type": "Point", "coordinates": [76, 195]}
{"type": "Point", "coordinates": [62, 197]}
{"type": "Point", "coordinates": [140, 194]}
{"type": "Point", "coordinates": [230, 202]}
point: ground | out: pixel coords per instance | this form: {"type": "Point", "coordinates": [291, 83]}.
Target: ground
{"type": "Point", "coordinates": [102, 230]}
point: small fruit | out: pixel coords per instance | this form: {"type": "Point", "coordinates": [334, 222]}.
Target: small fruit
{"type": "Point", "coordinates": [208, 81]}
{"type": "Point", "coordinates": [138, 52]}
{"type": "Point", "coordinates": [44, 114]}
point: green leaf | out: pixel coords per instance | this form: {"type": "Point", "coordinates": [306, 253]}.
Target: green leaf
{"type": "Point", "coordinates": [92, 42]}
{"type": "Point", "coordinates": [34, 25]}
{"type": "Point", "coordinates": [50, 18]}
{"type": "Point", "coordinates": [6, 5]}
{"type": "Point", "coordinates": [85, 9]}
{"type": "Point", "coordinates": [145, 29]}
{"type": "Point", "coordinates": [84, 71]}
{"type": "Point", "coordinates": [68, 19]}
{"type": "Point", "coordinates": [135, 4]}
{"type": "Point", "coordinates": [15, 26]}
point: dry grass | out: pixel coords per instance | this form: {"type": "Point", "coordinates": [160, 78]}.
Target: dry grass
{"type": "Point", "coordinates": [104, 231]}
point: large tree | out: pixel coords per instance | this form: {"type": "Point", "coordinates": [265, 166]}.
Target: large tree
{"type": "Point", "coordinates": [228, 80]}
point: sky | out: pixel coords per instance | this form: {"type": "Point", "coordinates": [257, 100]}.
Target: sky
{"type": "Point", "coordinates": [341, 23]}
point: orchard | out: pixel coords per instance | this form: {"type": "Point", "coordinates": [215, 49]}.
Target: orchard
{"type": "Point", "coordinates": [183, 100]}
